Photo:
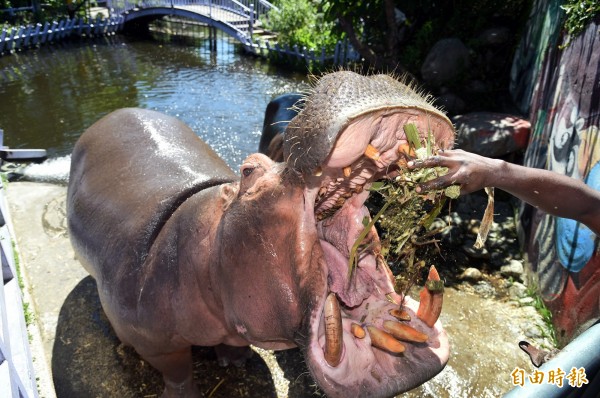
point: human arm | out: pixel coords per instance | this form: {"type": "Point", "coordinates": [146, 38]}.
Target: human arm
{"type": "Point", "coordinates": [554, 193]}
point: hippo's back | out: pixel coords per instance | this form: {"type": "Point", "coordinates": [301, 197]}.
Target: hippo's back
{"type": "Point", "coordinates": [130, 171]}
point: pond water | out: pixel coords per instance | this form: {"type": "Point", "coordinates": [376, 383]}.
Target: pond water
{"type": "Point", "coordinates": [52, 94]}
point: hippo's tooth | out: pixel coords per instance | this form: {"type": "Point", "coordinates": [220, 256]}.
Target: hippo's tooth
{"type": "Point", "coordinates": [402, 163]}
{"type": "Point", "coordinates": [432, 298]}
{"type": "Point", "coordinates": [318, 172]}
{"type": "Point", "coordinates": [347, 171]}
{"type": "Point", "coordinates": [333, 331]}
{"type": "Point", "coordinates": [372, 153]}
{"type": "Point", "coordinates": [384, 340]}
{"type": "Point", "coordinates": [400, 315]}
{"type": "Point", "coordinates": [406, 150]}
{"type": "Point", "coordinates": [357, 330]}
{"type": "Point", "coordinates": [404, 332]}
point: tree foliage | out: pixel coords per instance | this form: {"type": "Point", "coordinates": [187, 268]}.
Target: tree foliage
{"type": "Point", "coordinates": [396, 34]}
{"type": "Point", "coordinates": [301, 22]}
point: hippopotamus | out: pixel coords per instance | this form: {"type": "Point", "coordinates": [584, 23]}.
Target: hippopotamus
{"type": "Point", "coordinates": [186, 252]}
{"type": "Point", "coordinates": [280, 111]}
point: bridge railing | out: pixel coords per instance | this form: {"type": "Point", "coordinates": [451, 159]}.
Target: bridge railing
{"type": "Point", "coordinates": [250, 9]}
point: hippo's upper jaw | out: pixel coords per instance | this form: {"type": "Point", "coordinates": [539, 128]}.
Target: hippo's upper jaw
{"type": "Point", "coordinates": [353, 346]}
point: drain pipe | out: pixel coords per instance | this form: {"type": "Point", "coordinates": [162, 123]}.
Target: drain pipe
{"type": "Point", "coordinates": [582, 352]}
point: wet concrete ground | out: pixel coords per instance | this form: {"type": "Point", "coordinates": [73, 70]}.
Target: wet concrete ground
{"type": "Point", "coordinates": [87, 360]}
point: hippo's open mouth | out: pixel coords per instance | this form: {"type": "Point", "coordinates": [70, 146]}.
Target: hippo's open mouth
{"type": "Point", "coordinates": [365, 339]}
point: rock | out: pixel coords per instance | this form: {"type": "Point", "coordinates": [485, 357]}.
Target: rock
{"type": "Point", "coordinates": [471, 274]}
{"type": "Point", "coordinates": [446, 60]}
{"type": "Point", "coordinates": [497, 258]}
{"type": "Point", "coordinates": [475, 253]}
{"type": "Point", "coordinates": [514, 269]}
{"type": "Point", "coordinates": [476, 87]}
{"type": "Point", "coordinates": [526, 301]}
{"type": "Point", "coordinates": [494, 36]}
{"type": "Point", "coordinates": [451, 103]}
{"type": "Point", "coordinates": [484, 289]}
{"type": "Point", "coordinates": [491, 134]}
{"type": "Point", "coordinates": [452, 236]}
{"type": "Point", "coordinates": [517, 291]}
{"type": "Point", "coordinates": [534, 332]}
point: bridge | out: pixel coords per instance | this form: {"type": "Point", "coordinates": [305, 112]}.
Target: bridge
{"type": "Point", "coordinates": [239, 19]}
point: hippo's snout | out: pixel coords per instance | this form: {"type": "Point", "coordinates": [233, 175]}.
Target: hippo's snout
{"type": "Point", "coordinates": [365, 339]}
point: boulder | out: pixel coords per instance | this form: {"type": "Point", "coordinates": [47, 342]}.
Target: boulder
{"type": "Point", "coordinates": [491, 134]}
{"type": "Point", "coordinates": [445, 62]}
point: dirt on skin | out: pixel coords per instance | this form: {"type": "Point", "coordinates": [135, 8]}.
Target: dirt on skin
{"type": "Point", "coordinates": [87, 360]}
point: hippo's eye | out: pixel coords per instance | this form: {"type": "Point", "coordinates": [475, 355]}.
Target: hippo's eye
{"type": "Point", "coordinates": [247, 170]}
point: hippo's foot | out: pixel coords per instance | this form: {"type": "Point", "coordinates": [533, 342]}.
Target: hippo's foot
{"type": "Point", "coordinates": [176, 368]}
{"type": "Point", "coordinates": [185, 389]}
{"type": "Point", "coordinates": [237, 356]}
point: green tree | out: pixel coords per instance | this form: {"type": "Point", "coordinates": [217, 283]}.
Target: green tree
{"type": "Point", "coordinates": [395, 34]}
{"type": "Point", "coordinates": [301, 22]}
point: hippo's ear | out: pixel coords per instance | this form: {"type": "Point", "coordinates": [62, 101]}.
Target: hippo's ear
{"type": "Point", "coordinates": [228, 194]}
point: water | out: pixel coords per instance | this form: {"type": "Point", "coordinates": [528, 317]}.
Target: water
{"type": "Point", "coordinates": [51, 95]}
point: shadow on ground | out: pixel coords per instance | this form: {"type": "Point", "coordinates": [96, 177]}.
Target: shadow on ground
{"type": "Point", "coordinates": [89, 361]}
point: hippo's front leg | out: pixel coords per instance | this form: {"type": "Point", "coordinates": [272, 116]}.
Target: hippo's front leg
{"type": "Point", "coordinates": [177, 370]}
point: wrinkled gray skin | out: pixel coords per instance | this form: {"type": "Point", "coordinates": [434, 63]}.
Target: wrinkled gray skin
{"type": "Point", "coordinates": [185, 253]}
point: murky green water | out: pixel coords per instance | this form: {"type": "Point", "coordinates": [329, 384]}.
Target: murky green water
{"type": "Point", "coordinates": [49, 96]}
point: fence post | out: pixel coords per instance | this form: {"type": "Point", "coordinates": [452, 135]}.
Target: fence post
{"type": "Point", "coordinates": [2, 37]}
{"type": "Point", "coordinates": [336, 53]}
{"type": "Point", "coordinates": [36, 34]}
{"type": "Point", "coordinates": [251, 24]}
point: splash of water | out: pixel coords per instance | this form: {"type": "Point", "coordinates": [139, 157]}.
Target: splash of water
{"type": "Point", "coordinates": [54, 170]}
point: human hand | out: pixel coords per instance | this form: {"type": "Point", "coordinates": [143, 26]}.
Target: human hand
{"type": "Point", "coordinates": [473, 172]}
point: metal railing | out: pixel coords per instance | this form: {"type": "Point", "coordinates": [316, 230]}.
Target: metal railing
{"type": "Point", "coordinates": [32, 35]}
{"type": "Point", "coordinates": [17, 378]}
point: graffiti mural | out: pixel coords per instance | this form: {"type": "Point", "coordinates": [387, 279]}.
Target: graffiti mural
{"type": "Point", "coordinates": [565, 117]}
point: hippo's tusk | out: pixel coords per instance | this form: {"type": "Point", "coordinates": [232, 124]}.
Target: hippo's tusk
{"type": "Point", "coordinates": [384, 340]}
{"type": "Point", "coordinates": [333, 331]}
{"type": "Point", "coordinates": [404, 332]}
{"type": "Point", "coordinates": [318, 172]}
{"type": "Point", "coordinates": [372, 153]}
{"type": "Point", "coordinates": [347, 171]}
{"type": "Point", "coordinates": [358, 331]}
{"type": "Point", "coordinates": [432, 298]}
{"type": "Point", "coordinates": [400, 315]}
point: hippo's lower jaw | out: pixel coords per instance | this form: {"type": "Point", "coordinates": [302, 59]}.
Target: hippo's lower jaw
{"type": "Point", "coordinates": [354, 347]}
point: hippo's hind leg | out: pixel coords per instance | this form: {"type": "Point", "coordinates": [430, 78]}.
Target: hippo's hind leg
{"type": "Point", "coordinates": [237, 356]}
{"type": "Point", "coordinates": [176, 368]}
